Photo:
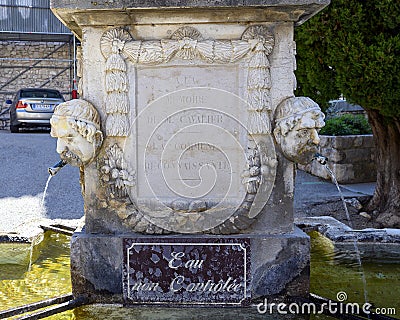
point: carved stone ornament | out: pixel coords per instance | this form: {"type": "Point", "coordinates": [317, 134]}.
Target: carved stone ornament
{"type": "Point", "coordinates": [76, 124]}
{"type": "Point", "coordinates": [153, 211]}
{"type": "Point", "coordinates": [297, 122]}
{"type": "Point", "coordinates": [187, 43]}
{"type": "Point", "coordinates": [116, 173]}
{"type": "Point", "coordinates": [117, 103]}
{"type": "Point", "coordinates": [259, 179]}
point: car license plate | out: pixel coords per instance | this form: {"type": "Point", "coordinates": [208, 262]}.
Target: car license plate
{"type": "Point", "coordinates": [42, 106]}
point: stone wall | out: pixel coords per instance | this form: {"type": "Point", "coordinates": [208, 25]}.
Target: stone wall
{"type": "Point", "coordinates": [351, 158]}
{"type": "Point", "coordinates": [18, 57]}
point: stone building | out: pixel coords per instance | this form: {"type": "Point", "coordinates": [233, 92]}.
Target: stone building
{"type": "Point", "coordinates": [36, 49]}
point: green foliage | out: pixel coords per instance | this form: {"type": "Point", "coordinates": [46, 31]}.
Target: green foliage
{"type": "Point", "coordinates": [345, 125]}
{"type": "Point", "coordinates": [353, 48]}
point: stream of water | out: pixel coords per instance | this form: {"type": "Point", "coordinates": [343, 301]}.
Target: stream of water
{"type": "Point", "coordinates": [45, 192]}
{"type": "Point", "coordinates": [355, 245]}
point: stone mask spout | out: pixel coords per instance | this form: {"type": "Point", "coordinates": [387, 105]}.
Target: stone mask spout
{"type": "Point", "coordinates": [57, 167]}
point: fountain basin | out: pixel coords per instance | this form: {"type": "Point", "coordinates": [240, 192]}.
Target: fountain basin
{"type": "Point", "coordinates": [17, 248]}
{"type": "Point", "coordinates": [331, 272]}
{"type": "Point", "coordinates": [381, 245]}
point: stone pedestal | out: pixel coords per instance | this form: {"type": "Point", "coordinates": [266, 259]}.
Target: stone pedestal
{"type": "Point", "coordinates": [276, 266]}
{"type": "Point", "coordinates": [187, 97]}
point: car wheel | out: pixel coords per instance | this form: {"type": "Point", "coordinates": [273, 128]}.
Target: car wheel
{"type": "Point", "coordinates": [14, 129]}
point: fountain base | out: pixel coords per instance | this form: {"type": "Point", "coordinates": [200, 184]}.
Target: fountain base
{"type": "Point", "coordinates": [229, 270]}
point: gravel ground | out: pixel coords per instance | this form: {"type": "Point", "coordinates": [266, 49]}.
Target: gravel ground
{"type": "Point", "coordinates": [24, 160]}
{"type": "Point", "coordinates": [316, 197]}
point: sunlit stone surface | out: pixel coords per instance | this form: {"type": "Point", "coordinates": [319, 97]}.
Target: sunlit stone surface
{"type": "Point", "coordinates": [188, 102]}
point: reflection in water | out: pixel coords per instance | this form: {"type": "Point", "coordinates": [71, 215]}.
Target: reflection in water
{"type": "Point", "coordinates": [331, 272]}
{"type": "Point", "coordinates": [47, 277]}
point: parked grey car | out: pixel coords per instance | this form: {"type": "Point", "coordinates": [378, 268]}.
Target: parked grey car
{"type": "Point", "coordinates": [33, 107]}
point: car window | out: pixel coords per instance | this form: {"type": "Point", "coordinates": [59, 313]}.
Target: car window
{"type": "Point", "coordinates": [40, 94]}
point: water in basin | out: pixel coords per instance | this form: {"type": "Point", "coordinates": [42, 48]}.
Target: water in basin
{"type": "Point", "coordinates": [47, 276]}
{"type": "Point", "coordinates": [331, 272]}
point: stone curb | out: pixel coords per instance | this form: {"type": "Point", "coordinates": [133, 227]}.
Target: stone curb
{"type": "Point", "coordinates": [372, 244]}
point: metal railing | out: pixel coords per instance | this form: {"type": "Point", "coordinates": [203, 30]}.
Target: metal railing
{"type": "Point", "coordinates": [56, 305]}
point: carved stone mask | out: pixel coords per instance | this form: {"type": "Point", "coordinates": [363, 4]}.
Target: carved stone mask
{"type": "Point", "coordinates": [297, 123]}
{"type": "Point", "coordinates": [77, 130]}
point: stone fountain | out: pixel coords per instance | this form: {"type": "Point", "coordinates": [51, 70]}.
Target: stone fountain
{"type": "Point", "coordinates": [187, 135]}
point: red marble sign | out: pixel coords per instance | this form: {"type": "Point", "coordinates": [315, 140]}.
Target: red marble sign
{"type": "Point", "coordinates": [190, 271]}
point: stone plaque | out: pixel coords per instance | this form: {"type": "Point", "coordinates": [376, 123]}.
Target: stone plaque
{"type": "Point", "coordinates": [192, 145]}
{"type": "Point", "coordinates": [192, 153]}
{"type": "Point", "coordinates": [195, 115]}
{"type": "Point", "coordinates": [190, 271]}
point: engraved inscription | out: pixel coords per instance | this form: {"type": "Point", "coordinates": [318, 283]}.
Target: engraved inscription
{"type": "Point", "coordinates": [216, 271]}
{"type": "Point", "coordinates": [191, 151]}
{"type": "Point", "coordinates": [180, 148]}
{"type": "Point", "coordinates": [189, 108]}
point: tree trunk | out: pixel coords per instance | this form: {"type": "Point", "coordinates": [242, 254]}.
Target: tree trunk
{"type": "Point", "coordinates": [386, 199]}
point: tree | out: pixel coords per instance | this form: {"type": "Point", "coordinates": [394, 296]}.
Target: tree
{"type": "Point", "coordinates": [353, 48]}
